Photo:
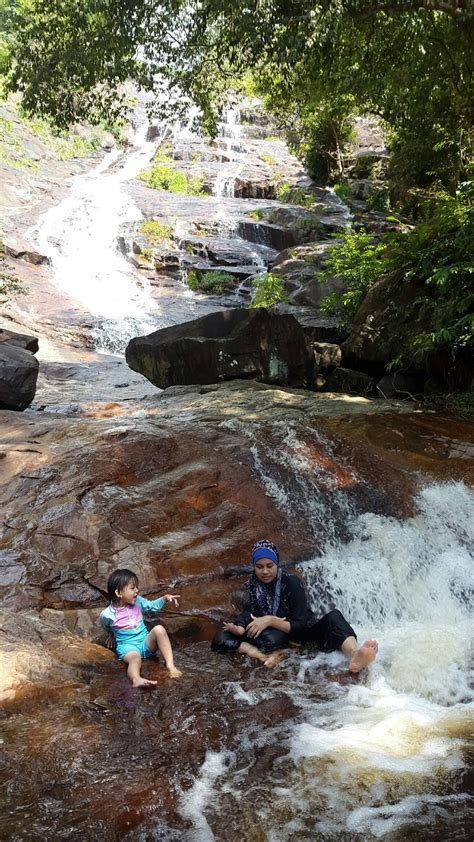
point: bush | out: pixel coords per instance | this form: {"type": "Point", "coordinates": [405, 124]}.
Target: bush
{"type": "Point", "coordinates": [155, 232]}
{"type": "Point", "coordinates": [215, 281]}
{"type": "Point", "coordinates": [434, 259]}
{"type": "Point", "coordinates": [9, 285]}
{"type": "Point", "coordinates": [269, 290]}
{"type": "Point", "coordinates": [294, 195]}
{"type": "Point", "coordinates": [343, 190]}
{"type": "Point", "coordinates": [261, 213]}
{"type": "Point", "coordinates": [358, 262]}
{"type": "Point", "coordinates": [437, 256]}
{"type": "Point", "coordinates": [161, 177]}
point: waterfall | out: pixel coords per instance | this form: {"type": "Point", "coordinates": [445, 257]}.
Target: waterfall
{"type": "Point", "coordinates": [230, 129]}
{"type": "Point", "coordinates": [80, 237]}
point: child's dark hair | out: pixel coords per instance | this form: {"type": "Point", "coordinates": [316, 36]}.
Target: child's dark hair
{"type": "Point", "coordinates": [118, 580]}
{"type": "Point", "coordinates": [241, 599]}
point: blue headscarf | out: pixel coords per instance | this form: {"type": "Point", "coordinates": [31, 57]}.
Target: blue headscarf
{"type": "Point", "coordinates": [266, 596]}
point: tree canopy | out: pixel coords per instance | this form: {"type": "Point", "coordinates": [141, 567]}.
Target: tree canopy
{"type": "Point", "coordinates": [408, 61]}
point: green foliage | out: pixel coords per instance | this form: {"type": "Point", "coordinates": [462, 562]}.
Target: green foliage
{"type": "Point", "coordinates": [268, 159]}
{"type": "Point", "coordinates": [434, 260]}
{"type": "Point", "coordinates": [378, 199]}
{"type": "Point", "coordinates": [315, 62]}
{"type": "Point", "coordinates": [161, 177]}
{"type": "Point", "coordinates": [358, 261]}
{"type": "Point", "coordinates": [459, 403]}
{"type": "Point", "coordinates": [365, 167]}
{"type": "Point", "coordinates": [269, 290]}
{"type": "Point", "coordinates": [343, 190]}
{"type": "Point", "coordinates": [9, 284]}
{"type": "Point", "coordinates": [309, 225]}
{"type": "Point", "coordinates": [323, 134]}
{"type": "Point", "coordinates": [294, 195]}
{"type": "Point", "coordinates": [214, 282]}
{"type": "Point", "coordinates": [262, 214]}
{"type": "Point", "coordinates": [437, 257]}
{"type": "Point", "coordinates": [11, 148]}
{"type": "Point", "coordinates": [156, 232]}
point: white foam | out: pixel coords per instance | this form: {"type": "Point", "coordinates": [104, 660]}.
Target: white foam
{"type": "Point", "coordinates": [194, 802]}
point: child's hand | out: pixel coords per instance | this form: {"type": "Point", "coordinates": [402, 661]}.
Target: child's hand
{"type": "Point", "coordinates": [173, 597]}
{"type": "Point", "coordinates": [110, 642]}
{"type": "Point", "coordinates": [232, 627]}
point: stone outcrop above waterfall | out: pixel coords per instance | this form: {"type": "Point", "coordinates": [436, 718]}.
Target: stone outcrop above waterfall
{"type": "Point", "coordinates": [227, 345]}
{"type": "Point", "coordinates": [299, 268]}
{"type": "Point", "coordinates": [18, 370]}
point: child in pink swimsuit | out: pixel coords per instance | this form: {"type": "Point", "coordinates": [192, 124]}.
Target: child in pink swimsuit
{"type": "Point", "coordinates": [123, 618]}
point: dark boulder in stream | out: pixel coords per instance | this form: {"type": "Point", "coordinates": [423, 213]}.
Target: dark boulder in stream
{"type": "Point", "coordinates": [227, 345]}
{"type": "Point", "coordinates": [18, 370]}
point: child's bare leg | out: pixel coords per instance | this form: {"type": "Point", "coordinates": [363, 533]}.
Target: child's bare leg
{"type": "Point", "coordinates": [274, 658]}
{"type": "Point", "coordinates": [158, 638]}
{"type": "Point", "coordinates": [359, 656]}
{"type": "Point", "coordinates": [252, 651]}
{"type": "Point", "coordinates": [134, 662]}
{"type": "Point", "coordinates": [270, 660]}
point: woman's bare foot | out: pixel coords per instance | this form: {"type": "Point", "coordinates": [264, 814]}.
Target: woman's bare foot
{"type": "Point", "coordinates": [174, 673]}
{"type": "Point", "coordinates": [363, 656]}
{"type": "Point", "coordinates": [142, 682]}
{"type": "Point", "coordinates": [273, 659]}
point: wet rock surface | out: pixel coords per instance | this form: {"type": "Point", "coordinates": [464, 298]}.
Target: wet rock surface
{"type": "Point", "coordinates": [170, 488]}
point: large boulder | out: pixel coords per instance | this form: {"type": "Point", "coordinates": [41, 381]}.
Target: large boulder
{"type": "Point", "coordinates": [18, 375]}
{"type": "Point", "coordinates": [384, 328]}
{"type": "Point", "coordinates": [21, 340]}
{"type": "Point", "coordinates": [230, 344]}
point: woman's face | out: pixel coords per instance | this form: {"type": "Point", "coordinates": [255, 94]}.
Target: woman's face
{"type": "Point", "coordinates": [265, 570]}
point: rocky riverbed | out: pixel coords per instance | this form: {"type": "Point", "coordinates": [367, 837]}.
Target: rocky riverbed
{"type": "Point", "coordinates": [370, 500]}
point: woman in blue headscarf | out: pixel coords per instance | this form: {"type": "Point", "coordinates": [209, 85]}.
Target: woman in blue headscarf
{"type": "Point", "coordinates": [279, 612]}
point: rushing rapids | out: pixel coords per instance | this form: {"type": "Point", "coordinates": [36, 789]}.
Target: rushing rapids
{"type": "Point", "coordinates": [180, 491]}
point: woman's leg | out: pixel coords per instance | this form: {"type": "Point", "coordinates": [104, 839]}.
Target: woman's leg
{"type": "Point", "coordinates": [133, 661]}
{"type": "Point", "coordinates": [334, 632]}
{"type": "Point", "coordinates": [359, 656]}
{"type": "Point", "coordinates": [158, 639]}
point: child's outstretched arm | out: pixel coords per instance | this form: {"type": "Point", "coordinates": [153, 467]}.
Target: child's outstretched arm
{"type": "Point", "coordinates": [154, 605]}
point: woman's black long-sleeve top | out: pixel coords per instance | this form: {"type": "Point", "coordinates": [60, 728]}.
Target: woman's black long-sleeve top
{"type": "Point", "coordinates": [293, 606]}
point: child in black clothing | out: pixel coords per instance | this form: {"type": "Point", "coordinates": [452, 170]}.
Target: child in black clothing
{"type": "Point", "coordinates": [240, 602]}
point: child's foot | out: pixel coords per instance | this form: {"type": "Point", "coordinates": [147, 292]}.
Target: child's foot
{"type": "Point", "coordinates": [273, 659]}
{"type": "Point", "coordinates": [363, 656]}
{"type": "Point", "coordinates": [174, 673]}
{"type": "Point", "coordinates": [142, 682]}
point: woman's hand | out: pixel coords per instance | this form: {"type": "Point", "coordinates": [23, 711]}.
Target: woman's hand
{"type": "Point", "coordinates": [173, 598]}
{"type": "Point", "coordinates": [258, 625]}
{"type": "Point", "coordinates": [232, 627]}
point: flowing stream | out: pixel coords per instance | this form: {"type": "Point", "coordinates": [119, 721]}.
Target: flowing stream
{"type": "Point", "coordinates": [305, 752]}
{"type": "Point", "coordinates": [381, 757]}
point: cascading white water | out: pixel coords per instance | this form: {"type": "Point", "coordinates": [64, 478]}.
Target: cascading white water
{"type": "Point", "coordinates": [80, 237]}
{"type": "Point", "coordinates": [371, 758]}
{"type": "Point", "coordinates": [231, 130]}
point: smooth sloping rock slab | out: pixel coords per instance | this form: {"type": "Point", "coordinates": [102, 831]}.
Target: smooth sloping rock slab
{"type": "Point", "coordinates": [18, 375]}
{"type": "Point", "coordinates": [230, 344]}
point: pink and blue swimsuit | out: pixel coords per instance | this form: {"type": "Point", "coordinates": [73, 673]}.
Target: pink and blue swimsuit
{"type": "Point", "coordinates": [127, 626]}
